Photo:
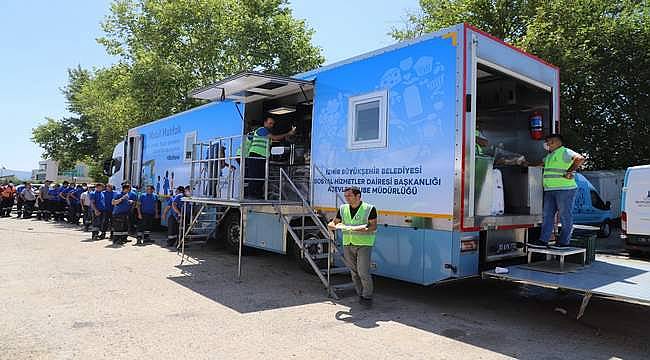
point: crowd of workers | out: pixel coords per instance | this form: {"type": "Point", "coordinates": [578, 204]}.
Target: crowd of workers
{"type": "Point", "coordinates": [100, 208]}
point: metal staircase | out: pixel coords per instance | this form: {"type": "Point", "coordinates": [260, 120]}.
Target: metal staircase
{"type": "Point", "coordinates": [199, 222]}
{"type": "Point", "coordinates": [309, 232]}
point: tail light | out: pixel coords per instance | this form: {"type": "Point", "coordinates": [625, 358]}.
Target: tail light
{"type": "Point", "coordinates": [624, 222]}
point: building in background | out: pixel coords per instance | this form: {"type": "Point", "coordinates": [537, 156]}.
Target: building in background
{"type": "Point", "coordinates": [8, 174]}
{"type": "Point", "coordinates": [49, 170]}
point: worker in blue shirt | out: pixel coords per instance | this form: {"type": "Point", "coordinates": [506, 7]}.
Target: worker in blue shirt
{"type": "Point", "coordinates": [55, 202]}
{"type": "Point", "coordinates": [63, 200]}
{"type": "Point", "coordinates": [147, 209]}
{"type": "Point", "coordinates": [122, 205]}
{"type": "Point", "coordinates": [74, 210]}
{"type": "Point", "coordinates": [98, 205]}
{"type": "Point", "coordinates": [109, 194]}
{"type": "Point", "coordinates": [173, 212]}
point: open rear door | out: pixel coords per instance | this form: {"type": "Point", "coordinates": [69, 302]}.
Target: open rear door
{"type": "Point", "coordinates": [134, 147]}
{"type": "Point", "coordinates": [247, 87]}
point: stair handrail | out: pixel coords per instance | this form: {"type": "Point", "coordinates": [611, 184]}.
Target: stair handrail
{"type": "Point", "coordinates": [306, 204]}
{"type": "Point", "coordinates": [338, 196]}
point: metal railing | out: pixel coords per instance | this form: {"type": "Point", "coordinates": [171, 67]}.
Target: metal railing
{"type": "Point", "coordinates": [211, 158]}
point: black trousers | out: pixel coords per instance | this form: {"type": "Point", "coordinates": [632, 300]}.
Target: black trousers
{"type": "Point", "coordinates": [172, 230]}
{"type": "Point", "coordinates": [6, 204]}
{"type": "Point", "coordinates": [120, 227]}
{"type": "Point", "coordinates": [74, 212]}
{"type": "Point", "coordinates": [107, 222]}
{"type": "Point", "coordinates": [98, 222]}
{"type": "Point", "coordinates": [145, 226]}
{"type": "Point", "coordinates": [28, 209]}
{"type": "Point", "coordinates": [255, 168]}
{"type": "Point", "coordinates": [20, 203]}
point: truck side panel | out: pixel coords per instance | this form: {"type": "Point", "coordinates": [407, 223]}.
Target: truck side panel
{"type": "Point", "coordinates": [165, 161]}
{"type": "Point", "coordinates": [413, 174]}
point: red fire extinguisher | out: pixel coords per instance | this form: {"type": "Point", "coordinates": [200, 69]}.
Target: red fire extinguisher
{"type": "Point", "coordinates": [536, 126]}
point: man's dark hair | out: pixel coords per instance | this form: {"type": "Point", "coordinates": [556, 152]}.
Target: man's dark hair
{"type": "Point", "coordinates": [65, 183]}
{"type": "Point", "coordinates": [125, 183]}
{"type": "Point", "coordinates": [355, 190]}
{"type": "Point", "coordinates": [555, 136]}
{"type": "Point", "coordinates": [151, 187]}
{"type": "Point", "coordinates": [126, 186]}
{"type": "Point", "coordinates": [180, 188]}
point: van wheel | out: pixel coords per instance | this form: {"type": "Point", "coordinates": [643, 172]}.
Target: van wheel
{"type": "Point", "coordinates": [605, 229]}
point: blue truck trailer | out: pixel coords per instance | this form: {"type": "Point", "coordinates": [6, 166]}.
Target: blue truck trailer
{"type": "Point", "coordinates": [401, 123]}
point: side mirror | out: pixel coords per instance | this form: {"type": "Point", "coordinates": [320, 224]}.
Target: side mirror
{"type": "Point", "coordinates": [608, 205]}
{"type": "Point", "coordinates": [106, 167]}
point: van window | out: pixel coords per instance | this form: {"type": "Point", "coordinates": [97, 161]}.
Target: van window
{"type": "Point", "coordinates": [116, 165]}
{"type": "Point", "coordinates": [368, 120]}
{"type": "Point", "coordinates": [597, 202]}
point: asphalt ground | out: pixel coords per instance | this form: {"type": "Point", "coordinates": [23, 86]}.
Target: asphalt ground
{"type": "Point", "coordinates": [63, 296]}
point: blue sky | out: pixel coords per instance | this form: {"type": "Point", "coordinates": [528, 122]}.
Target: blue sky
{"type": "Point", "coordinates": [40, 40]}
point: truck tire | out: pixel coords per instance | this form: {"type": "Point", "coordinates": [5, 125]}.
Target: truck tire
{"type": "Point", "coordinates": [605, 229]}
{"type": "Point", "coordinates": [229, 232]}
{"type": "Point", "coordinates": [312, 249]}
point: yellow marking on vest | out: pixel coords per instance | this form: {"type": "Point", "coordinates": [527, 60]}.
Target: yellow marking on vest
{"type": "Point", "coordinates": [399, 213]}
{"type": "Point", "coordinates": [453, 36]}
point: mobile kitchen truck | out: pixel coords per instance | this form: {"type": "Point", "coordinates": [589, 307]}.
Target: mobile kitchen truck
{"type": "Point", "coordinates": [401, 124]}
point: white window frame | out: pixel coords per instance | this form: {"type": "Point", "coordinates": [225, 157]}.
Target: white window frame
{"type": "Point", "coordinates": [191, 135]}
{"type": "Point", "coordinates": [353, 101]}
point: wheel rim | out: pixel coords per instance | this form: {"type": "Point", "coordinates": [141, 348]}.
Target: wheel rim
{"type": "Point", "coordinates": [233, 233]}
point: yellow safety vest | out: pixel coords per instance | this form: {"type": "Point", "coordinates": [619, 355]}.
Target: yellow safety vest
{"type": "Point", "coordinates": [360, 218]}
{"type": "Point", "coordinates": [260, 144]}
{"type": "Point", "coordinates": [555, 166]}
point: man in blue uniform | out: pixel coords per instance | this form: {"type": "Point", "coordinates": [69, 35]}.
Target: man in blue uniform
{"type": "Point", "coordinates": [147, 211]}
{"type": "Point", "coordinates": [173, 213]}
{"type": "Point", "coordinates": [64, 201]}
{"type": "Point", "coordinates": [74, 198]}
{"type": "Point", "coordinates": [98, 206]}
{"type": "Point", "coordinates": [121, 208]}
{"type": "Point", "coordinates": [109, 194]}
{"type": "Point", "coordinates": [55, 202]}
{"type": "Point", "coordinates": [20, 201]}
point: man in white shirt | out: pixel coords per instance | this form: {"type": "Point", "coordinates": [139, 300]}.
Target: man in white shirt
{"type": "Point", "coordinates": [84, 201]}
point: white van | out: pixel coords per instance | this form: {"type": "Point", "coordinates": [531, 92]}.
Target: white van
{"type": "Point", "coordinates": [635, 209]}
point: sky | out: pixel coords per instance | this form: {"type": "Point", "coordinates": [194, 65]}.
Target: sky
{"type": "Point", "coordinates": [39, 42]}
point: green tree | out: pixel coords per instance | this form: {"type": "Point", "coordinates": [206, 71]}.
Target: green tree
{"type": "Point", "coordinates": [600, 47]}
{"type": "Point", "coordinates": [164, 50]}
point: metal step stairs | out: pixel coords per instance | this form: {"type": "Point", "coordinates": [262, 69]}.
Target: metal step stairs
{"type": "Point", "coordinates": [203, 224]}
{"type": "Point", "coordinates": [310, 230]}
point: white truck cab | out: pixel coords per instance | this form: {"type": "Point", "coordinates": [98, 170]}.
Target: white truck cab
{"type": "Point", "coordinates": [113, 167]}
{"type": "Point", "coordinates": [635, 207]}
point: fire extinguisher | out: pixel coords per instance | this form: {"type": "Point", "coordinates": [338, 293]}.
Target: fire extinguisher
{"type": "Point", "coordinates": [536, 126]}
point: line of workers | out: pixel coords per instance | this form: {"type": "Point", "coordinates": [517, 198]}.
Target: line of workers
{"type": "Point", "coordinates": [101, 208]}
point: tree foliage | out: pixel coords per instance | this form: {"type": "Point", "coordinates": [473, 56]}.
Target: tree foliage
{"type": "Point", "coordinates": [164, 50]}
{"type": "Point", "coordinates": [601, 48]}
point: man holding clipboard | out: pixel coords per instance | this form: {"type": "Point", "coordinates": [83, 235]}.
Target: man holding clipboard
{"type": "Point", "coordinates": [358, 222]}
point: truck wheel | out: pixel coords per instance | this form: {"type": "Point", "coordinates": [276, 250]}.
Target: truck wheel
{"type": "Point", "coordinates": [229, 229]}
{"type": "Point", "coordinates": [311, 249]}
{"type": "Point", "coordinates": [605, 229]}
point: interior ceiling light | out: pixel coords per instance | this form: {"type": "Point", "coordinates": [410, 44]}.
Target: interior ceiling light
{"type": "Point", "coordinates": [282, 110]}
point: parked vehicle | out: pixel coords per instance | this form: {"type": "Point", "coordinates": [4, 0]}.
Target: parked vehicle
{"type": "Point", "coordinates": [608, 184]}
{"type": "Point", "coordinates": [590, 209]}
{"type": "Point", "coordinates": [635, 207]}
{"type": "Point", "coordinates": [401, 123]}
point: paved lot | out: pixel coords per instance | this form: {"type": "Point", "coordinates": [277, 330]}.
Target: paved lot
{"type": "Point", "coordinates": [63, 296]}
